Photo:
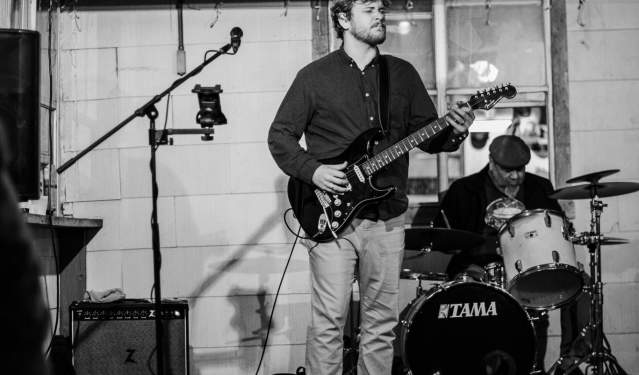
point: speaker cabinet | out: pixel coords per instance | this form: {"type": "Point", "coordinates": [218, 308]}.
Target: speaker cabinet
{"type": "Point", "coordinates": [119, 337]}
{"type": "Point", "coordinates": [20, 107]}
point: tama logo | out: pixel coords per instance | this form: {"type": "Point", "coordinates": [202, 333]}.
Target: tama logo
{"type": "Point", "coordinates": [467, 310]}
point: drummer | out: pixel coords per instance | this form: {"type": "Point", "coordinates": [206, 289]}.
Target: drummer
{"type": "Point", "coordinates": [483, 201]}
{"type": "Point", "coordinates": [502, 183]}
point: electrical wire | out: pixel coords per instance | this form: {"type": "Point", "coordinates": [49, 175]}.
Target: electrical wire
{"type": "Point", "coordinates": [270, 320]}
{"type": "Point", "coordinates": [50, 210]}
{"type": "Point", "coordinates": [297, 235]}
{"type": "Point", "coordinates": [216, 51]}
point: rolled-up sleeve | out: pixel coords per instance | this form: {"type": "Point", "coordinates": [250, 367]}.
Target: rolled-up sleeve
{"type": "Point", "coordinates": [287, 128]}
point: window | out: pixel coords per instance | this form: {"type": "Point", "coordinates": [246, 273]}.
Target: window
{"type": "Point", "coordinates": [483, 46]}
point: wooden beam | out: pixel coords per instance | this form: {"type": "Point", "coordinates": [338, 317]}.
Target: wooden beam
{"type": "Point", "coordinates": [560, 88]}
{"type": "Point", "coordinates": [319, 20]}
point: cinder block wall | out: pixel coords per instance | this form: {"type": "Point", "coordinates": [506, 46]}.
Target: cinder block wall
{"type": "Point", "coordinates": [224, 245]}
{"type": "Point", "coordinates": [603, 72]}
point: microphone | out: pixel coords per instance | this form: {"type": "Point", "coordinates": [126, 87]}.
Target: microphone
{"type": "Point", "coordinates": [236, 38]}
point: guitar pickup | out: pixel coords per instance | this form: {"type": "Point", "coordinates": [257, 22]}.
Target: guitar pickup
{"type": "Point", "coordinates": [358, 172]}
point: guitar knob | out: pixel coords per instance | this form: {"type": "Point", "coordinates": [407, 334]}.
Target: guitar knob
{"type": "Point", "coordinates": [334, 224]}
{"type": "Point", "coordinates": [338, 213]}
{"type": "Point", "coordinates": [337, 202]}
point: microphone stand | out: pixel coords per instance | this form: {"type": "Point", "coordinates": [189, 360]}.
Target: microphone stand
{"type": "Point", "coordinates": [156, 138]}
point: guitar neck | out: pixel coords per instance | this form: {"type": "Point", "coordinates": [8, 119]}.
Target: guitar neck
{"type": "Point", "coordinates": [390, 154]}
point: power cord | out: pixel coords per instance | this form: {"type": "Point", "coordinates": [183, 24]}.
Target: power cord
{"type": "Point", "coordinates": [49, 208]}
{"type": "Point", "coordinates": [217, 51]}
{"type": "Point", "coordinates": [297, 235]}
{"type": "Point", "coordinates": [270, 320]}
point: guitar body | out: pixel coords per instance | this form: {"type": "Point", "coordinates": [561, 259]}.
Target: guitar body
{"type": "Point", "coordinates": [323, 215]}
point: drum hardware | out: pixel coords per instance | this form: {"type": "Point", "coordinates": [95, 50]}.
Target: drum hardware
{"type": "Point", "coordinates": [408, 274]}
{"type": "Point", "coordinates": [600, 358]}
{"type": "Point", "coordinates": [495, 274]}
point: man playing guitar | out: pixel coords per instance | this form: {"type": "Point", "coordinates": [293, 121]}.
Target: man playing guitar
{"type": "Point", "coordinates": [331, 102]}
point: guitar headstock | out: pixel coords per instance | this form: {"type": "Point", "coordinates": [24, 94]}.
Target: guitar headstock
{"type": "Point", "coordinates": [487, 98]}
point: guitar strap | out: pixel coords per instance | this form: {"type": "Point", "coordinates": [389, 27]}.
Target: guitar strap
{"type": "Point", "coordinates": [384, 96]}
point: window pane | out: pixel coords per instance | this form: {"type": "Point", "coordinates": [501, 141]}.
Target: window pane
{"type": "Point", "coordinates": [528, 123]}
{"type": "Point", "coordinates": [409, 35]}
{"type": "Point", "coordinates": [504, 43]}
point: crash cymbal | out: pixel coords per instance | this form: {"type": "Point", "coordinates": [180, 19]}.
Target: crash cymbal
{"type": "Point", "coordinates": [588, 191]}
{"type": "Point", "coordinates": [592, 177]}
{"type": "Point", "coordinates": [440, 239]}
{"type": "Point", "coordinates": [408, 274]}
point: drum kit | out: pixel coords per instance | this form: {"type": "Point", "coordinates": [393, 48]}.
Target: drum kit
{"type": "Point", "coordinates": [484, 325]}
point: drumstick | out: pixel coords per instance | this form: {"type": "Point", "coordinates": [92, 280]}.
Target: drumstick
{"type": "Point", "coordinates": [445, 219]}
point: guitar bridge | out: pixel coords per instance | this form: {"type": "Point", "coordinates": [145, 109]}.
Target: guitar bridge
{"type": "Point", "coordinates": [323, 198]}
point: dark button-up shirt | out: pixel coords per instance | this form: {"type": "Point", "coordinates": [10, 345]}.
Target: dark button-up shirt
{"type": "Point", "coordinates": [331, 102]}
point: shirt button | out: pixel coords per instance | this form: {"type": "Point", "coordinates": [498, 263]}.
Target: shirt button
{"type": "Point", "coordinates": [367, 95]}
{"type": "Point", "coordinates": [372, 118]}
{"type": "Point", "coordinates": [363, 73]}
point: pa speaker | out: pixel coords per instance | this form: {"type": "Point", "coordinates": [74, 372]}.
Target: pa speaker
{"type": "Point", "coordinates": [20, 107]}
{"type": "Point", "coordinates": [119, 337]}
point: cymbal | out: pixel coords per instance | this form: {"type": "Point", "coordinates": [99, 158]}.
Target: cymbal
{"type": "Point", "coordinates": [592, 177]}
{"type": "Point", "coordinates": [588, 191]}
{"type": "Point", "coordinates": [407, 273]}
{"type": "Point", "coordinates": [439, 239]}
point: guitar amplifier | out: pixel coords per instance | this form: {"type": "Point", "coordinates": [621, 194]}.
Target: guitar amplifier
{"type": "Point", "coordinates": [119, 337]}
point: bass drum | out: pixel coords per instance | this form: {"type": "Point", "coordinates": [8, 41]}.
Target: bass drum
{"type": "Point", "coordinates": [466, 327]}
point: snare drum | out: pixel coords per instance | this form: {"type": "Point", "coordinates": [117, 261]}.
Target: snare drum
{"type": "Point", "coordinates": [541, 268]}
{"type": "Point", "coordinates": [495, 274]}
{"type": "Point", "coordinates": [463, 326]}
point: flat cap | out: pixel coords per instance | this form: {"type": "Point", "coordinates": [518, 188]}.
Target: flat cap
{"type": "Point", "coordinates": [509, 151]}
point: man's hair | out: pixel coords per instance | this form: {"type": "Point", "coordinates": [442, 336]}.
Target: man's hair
{"type": "Point", "coordinates": [345, 6]}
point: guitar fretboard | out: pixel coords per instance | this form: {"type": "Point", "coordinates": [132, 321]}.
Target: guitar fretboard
{"type": "Point", "coordinates": [393, 152]}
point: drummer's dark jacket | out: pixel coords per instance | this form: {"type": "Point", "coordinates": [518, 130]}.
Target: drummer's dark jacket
{"type": "Point", "coordinates": [465, 201]}
{"type": "Point", "coordinates": [464, 205]}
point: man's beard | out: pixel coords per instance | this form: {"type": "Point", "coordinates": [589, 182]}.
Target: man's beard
{"type": "Point", "coordinates": [370, 36]}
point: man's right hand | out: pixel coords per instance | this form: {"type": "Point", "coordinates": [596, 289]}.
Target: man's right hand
{"type": "Point", "coordinates": [330, 178]}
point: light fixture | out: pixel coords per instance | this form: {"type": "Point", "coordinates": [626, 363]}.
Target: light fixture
{"type": "Point", "coordinates": [210, 112]}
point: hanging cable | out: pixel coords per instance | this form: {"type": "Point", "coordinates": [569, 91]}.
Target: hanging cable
{"type": "Point", "coordinates": [580, 13]}
{"type": "Point", "coordinates": [270, 320]}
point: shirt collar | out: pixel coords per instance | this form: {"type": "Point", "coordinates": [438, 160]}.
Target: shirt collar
{"type": "Point", "coordinates": [346, 59]}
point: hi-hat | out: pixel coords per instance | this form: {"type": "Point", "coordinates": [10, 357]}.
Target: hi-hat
{"type": "Point", "coordinates": [423, 239]}
{"type": "Point", "coordinates": [593, 177]}
{"type": "Point", "coordinates": [588, 191]}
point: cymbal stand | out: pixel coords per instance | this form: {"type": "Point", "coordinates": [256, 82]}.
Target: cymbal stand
{"type": "Point", "coordinates": [600, 359]}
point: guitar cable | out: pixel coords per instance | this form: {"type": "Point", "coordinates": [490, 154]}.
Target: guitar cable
{"type": "Point", "coordinates": [277, 293]}
{"type": "Point", "coordinates": [297, 235]}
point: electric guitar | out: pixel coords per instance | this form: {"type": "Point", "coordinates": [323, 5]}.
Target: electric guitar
{"type": "Point", "coordinates": [323, 215]}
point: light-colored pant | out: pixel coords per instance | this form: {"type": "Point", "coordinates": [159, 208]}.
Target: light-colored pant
{"type": "Point", "coordinates": [376, 248]}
